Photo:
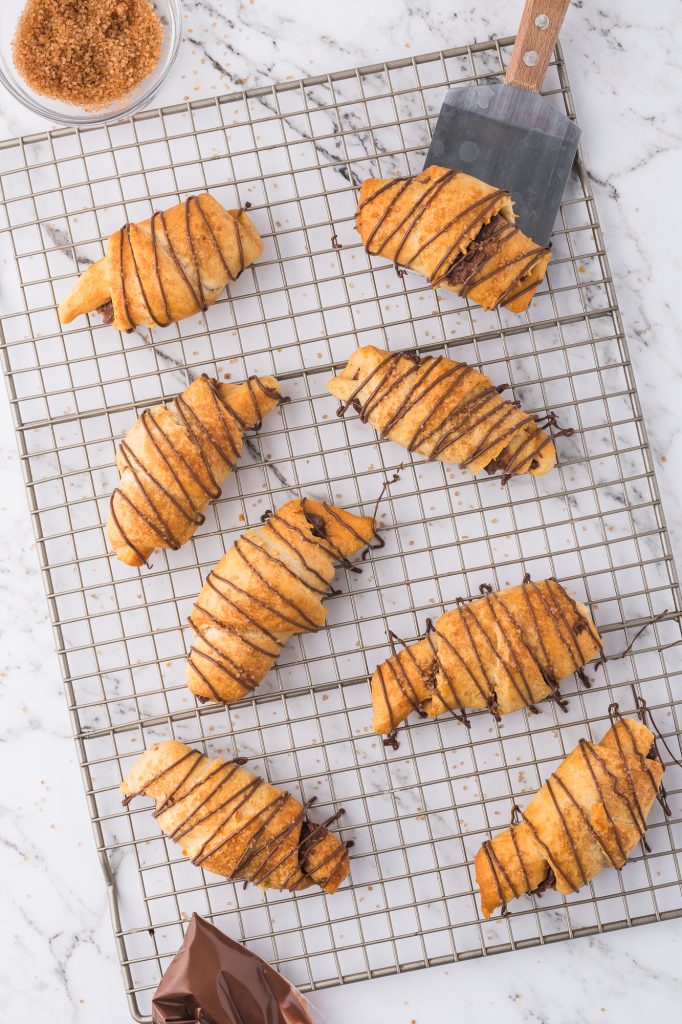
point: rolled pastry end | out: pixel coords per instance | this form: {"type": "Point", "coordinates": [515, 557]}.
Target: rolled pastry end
{"type": "Point", "coordinates": [122, 550]}
{"type": "Point", "coordinates": [90, 292]}
{"type": "Point", "coordinates": [253, 400]}
{"type": "Point", "coordinates": [507, 866]}
{"type": "Point", "coordinates": [252, 243]}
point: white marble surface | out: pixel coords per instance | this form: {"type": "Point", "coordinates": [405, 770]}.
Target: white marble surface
{"type": "Point", "coordinates": [58, 956]}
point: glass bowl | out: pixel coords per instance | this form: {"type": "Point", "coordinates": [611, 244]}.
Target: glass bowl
{"type": "Point", "coordinates": [170, 15]}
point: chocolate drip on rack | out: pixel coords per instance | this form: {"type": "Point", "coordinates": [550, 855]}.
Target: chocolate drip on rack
{"type": "Point", "coordinates": [628, 648]}
{"type": "Point", "coordinates": [447, 419]}
{"type": "Point", "coordinates": [261, 857]}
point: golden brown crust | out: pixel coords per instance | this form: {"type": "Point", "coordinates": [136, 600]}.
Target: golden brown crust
{"type": "Point", "coordinates": [168, 267]}
{"type": "Point", "coordinates": [589, 815]}
{"type": "Point", "coordinates": [435, 223]}
{"type": "Point", "coordinates": [234, 823]}
{"type": "Point", "coordinates": [174, 460]}
{"type": "Point", "coordinates": [444, 410]}
{"type": "Point", "coordinates": [503, 651]}
{"type": "Point", "coordinates": [267, 588]}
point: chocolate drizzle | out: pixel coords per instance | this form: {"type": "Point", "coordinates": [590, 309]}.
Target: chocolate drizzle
{"type": "Point", "coordinates": [464, 418]}
{"type": "Point", "coordinates": [628, 648]}
{"type": "Point", "coordinates": [615, 793]}
{"type": "Point", "coordinates": [162, 241]}
{"type": "Point", "coordinates": [497, 645]}
{"type": "Point", "coordinates": [271, 826]}
{"type": "Point", "coordinates": [213, 452]}
{"type": "Point", "coordinates": [402, 680]}
{"type": "Point", "coordinates": [285, 572]}
{"type": "Point", "coordinates": [476, 240]}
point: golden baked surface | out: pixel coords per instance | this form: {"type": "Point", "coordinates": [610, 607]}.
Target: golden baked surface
{"type": "Point", "coordinates": [503, 651]}
{"type": "Point", "coordinates": [589, 815]}
{"type": "Point", "coordinates": [174, 460]}
{"type": "Point", "coordinates": [166, 268]}
{"type": "Point", "coordinates": [444, 410]}
{"type": "Point", "coordinates": [268, 587]}
{"type": "Point", "coordinates": [234, 823]}
{"type": "Point", "coordinates": [456, 231]}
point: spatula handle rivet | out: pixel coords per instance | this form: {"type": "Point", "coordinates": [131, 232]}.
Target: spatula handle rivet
{"type": "Point", "coordinates": [542, 21]}
{"type": "Point", "coordinates": [530, 58]}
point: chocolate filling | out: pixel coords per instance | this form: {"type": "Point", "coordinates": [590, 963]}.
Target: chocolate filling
{"type": "Point", "coordinates": [317, 522]}
{"type": "Point", "coordinates": [107, 312]}
{"type": "Point", "coordinates": [468, 265]}
{"type": "Point", "coordinates": [548, 882]}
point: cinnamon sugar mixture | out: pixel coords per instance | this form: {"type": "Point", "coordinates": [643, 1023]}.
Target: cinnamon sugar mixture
{"type": "Point", "coordinates": [87, 52]}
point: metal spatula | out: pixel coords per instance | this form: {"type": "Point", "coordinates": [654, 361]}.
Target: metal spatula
{"type": "Point", "coordinates": [509, 136]}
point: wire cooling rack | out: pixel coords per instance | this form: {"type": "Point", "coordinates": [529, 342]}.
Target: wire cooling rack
{"type": "Point", "coordinates": [297, 153]}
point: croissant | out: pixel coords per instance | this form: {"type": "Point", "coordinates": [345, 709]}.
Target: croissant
{"type": "Point", "coordinates": [456, 231]}
{"type": "Point", "coordinates": [234, 823]}
{"type": "Point", "coordinates": [267, 588]}
{"type": "Point", "coordinates": [168, 267]}
{"type": "Point", "coordinates": [174, 459]}
{"type": "Point", "coordinates": [444, 410]}
{"type": "Point", "coordinates": [503, 651]}
{"type": "Point", "coordinates": [589, 815]}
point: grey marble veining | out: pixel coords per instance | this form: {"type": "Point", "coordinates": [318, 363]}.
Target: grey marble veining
{"type": "Point", "coordinates": [624, 61]}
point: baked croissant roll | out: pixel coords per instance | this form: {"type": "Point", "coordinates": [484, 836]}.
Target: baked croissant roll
{"type": "Point", "coordinates": [589, 815]}
{"type": "Point", "coordinates": [234, 823]}
{"type": "Point", "coordinates": [268, 587]}
{"type": "Point", "coordinates": [503, 651]}
{"type": "Point", "coordinates": [166, 268]}
{"type": "Point", "coordinates": [456, 231]}
{"type": "Point", "coordinates": [174, 460]}
{"type": "Point", "coordinates": [443, 410]}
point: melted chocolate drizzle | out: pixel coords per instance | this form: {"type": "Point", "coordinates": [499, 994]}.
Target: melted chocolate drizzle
{"type": "Point", "coordinates": [626, 650]}
{"type": "Point", "coordinates": [546, 605]}
{"type": "Point", "coordinates": [262, 856]}
{"type": "Point", "coordinates": [473, 256]}
{"type": "Point", "coordinates": [513, 442]}
{"type": "Point", "coordinates": [148, 490]}
{"type": "Point", "coordinates": [291, 617]}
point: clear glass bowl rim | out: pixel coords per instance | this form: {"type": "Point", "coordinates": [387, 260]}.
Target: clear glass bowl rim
{"type": "Point", "coordinates": [86, 119]}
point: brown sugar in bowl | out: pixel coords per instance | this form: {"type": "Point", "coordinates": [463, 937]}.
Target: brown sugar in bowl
{"type": "Point", "coordinates": [87, 61]}
{"type": "Point", "coordinates": [87, 52]}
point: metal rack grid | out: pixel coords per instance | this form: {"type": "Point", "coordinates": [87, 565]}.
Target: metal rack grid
{"type": "Point", "coordinates": [297, 152]}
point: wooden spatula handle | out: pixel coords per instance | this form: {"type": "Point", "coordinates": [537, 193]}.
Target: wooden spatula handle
{"type": "Point", "coordinates": [538, 32]}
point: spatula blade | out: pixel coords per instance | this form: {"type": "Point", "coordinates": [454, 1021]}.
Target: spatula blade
{"type": "Point", "coordinates": [513, 139]}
